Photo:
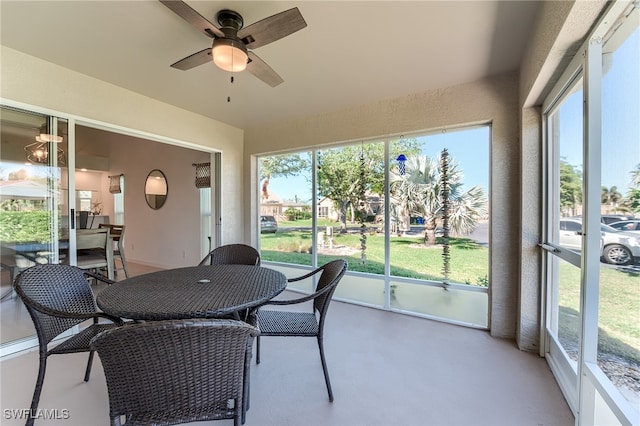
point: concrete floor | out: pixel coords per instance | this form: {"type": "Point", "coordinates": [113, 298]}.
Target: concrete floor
{"type": "Point", "coordinates": [386, 369]}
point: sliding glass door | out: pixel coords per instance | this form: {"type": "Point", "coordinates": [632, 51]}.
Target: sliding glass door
{"type": "Point", "coordinates": [33, 222]}
{"type": "Point", "coordinates": [593, 269]}
{"type": "Point", "coordinates": [565, 133]}
{"type": "Point", "coordinates": [61, 179]}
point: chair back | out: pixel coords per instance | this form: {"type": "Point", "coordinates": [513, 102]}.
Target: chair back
{"type": "Point", "coordinates": [49, 289]}
{"type": "Point", "coordinates": [332, 273]}
{"type": "Point", "coordinates": [115, 231]}
{"type": "Point", "coordinates": [98, 249]}
{"type": "Point", "coordinates": [175, 371]}
{"type": "Point", "coordinates": [232, 254]}
{"type": "Point", "coordinates": [92, 238]}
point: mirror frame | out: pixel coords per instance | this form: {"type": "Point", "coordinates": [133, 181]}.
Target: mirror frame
{"type": "Point", "coordinates": [156, 200]}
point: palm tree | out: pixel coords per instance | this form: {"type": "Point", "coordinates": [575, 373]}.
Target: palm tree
{"type": "Point", "coordinates": [418, 192]}
{"type": "Point", "coordinates": [632, 200]}
{"type": "Point", "coordinates": [635, 176]}
{"type": "Point", "coordinates": [415, 191]}
{"type": "Point", "coordinates": [611, 197]}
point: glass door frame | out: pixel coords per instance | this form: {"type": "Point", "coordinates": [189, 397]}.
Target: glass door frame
{"type": "Point", "coordinates": [556, 356]}
{"type": "Point", "coordinates": [53, 121]}
{"type": "Point", "coordinates": [590, 394]}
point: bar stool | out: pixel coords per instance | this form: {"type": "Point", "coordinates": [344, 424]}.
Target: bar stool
{"type": "Point", "coordinates": [117, 234]}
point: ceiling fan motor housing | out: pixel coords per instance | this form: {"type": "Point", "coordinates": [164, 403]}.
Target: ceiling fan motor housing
{"type": "Point", "coordinates": [230, 22]}
{"type": "Point", "coordinates": [229, 19]}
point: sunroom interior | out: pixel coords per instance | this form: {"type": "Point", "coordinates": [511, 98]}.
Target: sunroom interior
{"type": "Point", "coordinates": [541, 57]}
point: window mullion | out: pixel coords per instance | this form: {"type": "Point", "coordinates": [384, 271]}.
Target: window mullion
{"type": "Point", "coordinates": [592, 204]}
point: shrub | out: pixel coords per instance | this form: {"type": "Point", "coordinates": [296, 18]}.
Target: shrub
{"type": "Point", "coordinates": [295, 214]}
{"type": "Point", "coordinates": [25, 226]}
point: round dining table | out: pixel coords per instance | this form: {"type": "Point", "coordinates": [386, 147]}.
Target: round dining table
{"type": "Point", "coordinates": [192, 292]}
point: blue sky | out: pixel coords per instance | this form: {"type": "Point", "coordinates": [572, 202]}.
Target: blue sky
{"type": "Point", "coordinates": [620, 152]}
{"type": "Point", "coordinates": [469, 148]}
{"type": "Point", "coordinates": [621, 115]}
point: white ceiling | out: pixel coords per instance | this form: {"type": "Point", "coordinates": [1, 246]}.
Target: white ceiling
{"type": "Point", "coordinates": [352, 52]}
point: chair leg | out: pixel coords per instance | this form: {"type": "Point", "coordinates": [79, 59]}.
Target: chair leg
{"type": "Point", "coordinates": [89, 363]}
{"type": "Point", "coordinates": [38, 390]}
{"type": "Point", "coordinates": [246, 381]}
{"type": "Point", "coordinates": [324, 368]}
{"type": "Point", "coordinates": [257, 349]}
{"type": "Point", "coordinates": [115, 421]}
{"type": "Point", "coordinates": [123, 261]}
{"type": "Point", "coordinates": [236, 416]}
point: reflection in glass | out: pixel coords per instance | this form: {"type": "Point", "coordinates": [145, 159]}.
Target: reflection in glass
{"type": "Point", "coordinates": [31, 201]}
{"type": "Point", "coordinates": [619, 296]}
{"type": "Point", "coordinates": [155, 189]}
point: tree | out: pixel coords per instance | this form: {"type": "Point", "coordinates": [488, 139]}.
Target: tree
{"type": "Point", "coordinates": [21, 174]}
{"type": "Point", "coordinates": [340, 178]}
{"type": "Point", "coordinates": [418, 192]}
{"type": "Point", "coordinates": [635, 176]}
{"type": "Point", "coordinates": [280, 165]}
{"type": "Point", "coordinates": [570, 187]}
{"type": "Point", "coordinates": [632, 199]}
{"type": "Point", "coordinates": [611, 197]}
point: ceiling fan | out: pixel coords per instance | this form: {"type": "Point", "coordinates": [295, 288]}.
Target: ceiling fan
{"type": "Point", "coordinates": [232, 41]}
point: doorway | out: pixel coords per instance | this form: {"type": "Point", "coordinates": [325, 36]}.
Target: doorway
{"type": "Point", "coordinates": [44, 187]}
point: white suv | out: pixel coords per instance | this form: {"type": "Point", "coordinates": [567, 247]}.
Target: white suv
{"type": "Point", "coordinates": [618, 247]}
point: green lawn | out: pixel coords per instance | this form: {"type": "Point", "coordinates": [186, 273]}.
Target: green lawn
{"type": "Point", "coordinates": [619, 305]}
{"type": "Point", "coordinates": [619, 310]}
{"type": "Point", "coordinates": [409, 257]}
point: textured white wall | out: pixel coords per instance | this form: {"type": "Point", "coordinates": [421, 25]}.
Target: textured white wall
{"type": "Point", "coordinates": [493, 100]}
{"type": "Point", "coordinates": [169, 236]}
{"type": "Point", "coordinates": [35, 83]}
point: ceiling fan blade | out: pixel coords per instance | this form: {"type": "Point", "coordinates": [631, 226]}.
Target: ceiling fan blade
{"type": "Point", "coordinates": [264, 72]}
{"type": "Point", "coordinates": [272, 28]}
{"type": "Point", "coordinates": [185, 11]}
{"type": "Point", "coordinates": [192, 61]}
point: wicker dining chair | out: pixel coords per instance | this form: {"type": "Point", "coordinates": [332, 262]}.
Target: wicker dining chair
{"type": "Point", "coordinates": [116, 232]}
{"type": "Point", "coordinates": [175, 371]}
{"type": "Point", "coordinates": [59, 297]}
{"type": "Point", "coordinates": [305, 324]}
{"type": "Point", "coordinates": [232, 254]}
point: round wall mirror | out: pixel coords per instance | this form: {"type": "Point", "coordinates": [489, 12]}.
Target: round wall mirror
{"type": "Point", "coordinates": [155, 189]}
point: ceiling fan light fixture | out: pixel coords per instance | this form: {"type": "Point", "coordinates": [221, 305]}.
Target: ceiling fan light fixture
{"type": "Point", "coordinates": [38, 152]}
{"type": "Point", "coordinates": [47, 137]}
{"type": "Point", "coordinates": [229, 55]}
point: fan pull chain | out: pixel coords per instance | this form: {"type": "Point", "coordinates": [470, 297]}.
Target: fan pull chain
{"type": "Point", "coordinates": [229, 97]}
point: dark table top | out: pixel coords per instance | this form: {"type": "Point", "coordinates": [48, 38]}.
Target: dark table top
{"type": "Point", "coordinates": [192, 292]}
